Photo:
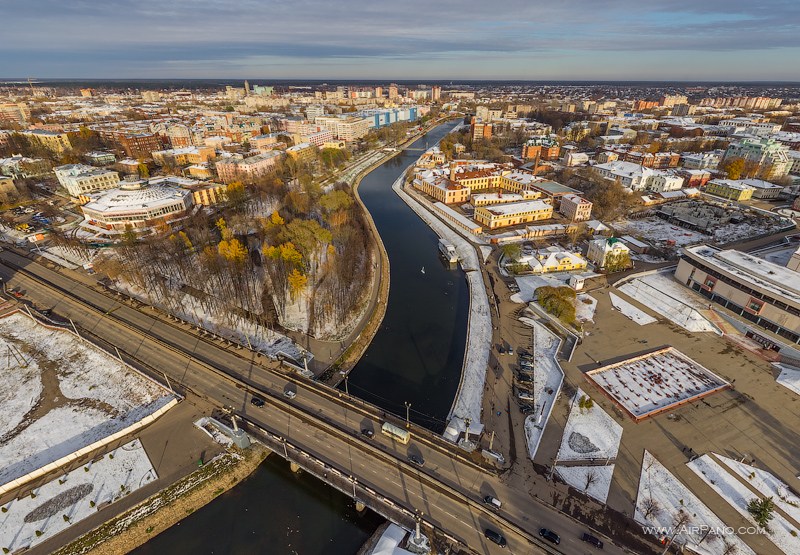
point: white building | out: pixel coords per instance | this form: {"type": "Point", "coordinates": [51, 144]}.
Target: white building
{"type": "Point", "coordinates": [639, 178]}
{"type": "Point", "coordinates": [605, 251]}
{"type": "Point", "coordinates": [135, 206]}
{"type": "Point", "coordinates": [79, 179]}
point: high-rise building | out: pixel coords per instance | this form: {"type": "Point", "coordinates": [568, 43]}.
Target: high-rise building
{"type": "Point", "coordinates": [436, 93]}
{"type": "Point", "coordinates": [770, 157]}
{"type": "Point", "coordinates": [393, 92]}
{"type": "Point", "coordinates": [378, 92]}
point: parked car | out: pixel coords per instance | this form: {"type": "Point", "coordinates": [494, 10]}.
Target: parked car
{"type": "Point", "coordinates": [495, 537]}
{"type": "Point", "coordinates": [493, 502]}
{"type": "Point", "coordinates": [550, 536]}
{"type": "Point", "coordinates": [417, 460]}
{"type": "Point", "coordinates": [257, 401]}
{"type": "Point", "coordinates": [591, 540]}
{"type": "Point", "coordinates": [524, 378]}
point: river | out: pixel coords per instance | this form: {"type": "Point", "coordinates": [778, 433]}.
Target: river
{"type": "Point", "coordinates": [416, 357]}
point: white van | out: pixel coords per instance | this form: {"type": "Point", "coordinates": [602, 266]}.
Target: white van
{"type": "Point", "coordinates": [493, 502]}
{"type": "Point", "coordinates": [289, 394]}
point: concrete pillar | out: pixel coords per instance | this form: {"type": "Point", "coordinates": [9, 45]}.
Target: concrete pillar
{"type": "Point", "coordinates": [360, 507]}
{"type": "Point", "coordinates": [294, 466]}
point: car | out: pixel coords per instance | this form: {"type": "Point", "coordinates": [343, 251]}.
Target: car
{"type": "Point", "coordinates": [493, 502]}
{"type": "Point", "coordinates": [257, 401]}
{"type": "Point", "coordinates": [289, 394]}
{"type": "Point", "coordinates": [524, 378]}
{"type": "Point", "coordinates": [591, 540]}
{"type": "Point", "coordinates": [367, 432]}
{"type": "Point", "coordinates": [550, 536]}
{"type": "Point", "coordinates": [417, 460]}
{"type": "Point", "coordinates": [495, 537]}
{"type": "Point", "coordinates": [511, 350]}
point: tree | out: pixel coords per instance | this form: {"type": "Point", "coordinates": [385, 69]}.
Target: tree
{"type": "Point", "coordinates": [585, 403]}
{"type": "Point", "coordinates": [591, 478]}
{"type": "Point", "coordinates": [235, 194]}
{"type": "Point", "coordinates": [144, 171]}
{"type": "Point", "coordinates": [297, 283]}
{"type": "Point", "coordinates": [512, 252]}
{"type": "Point", "coordinates": [558, 301]}
{"type": "Point", "coordinates": [649, 508]}
{"type": "Point", "coordinates": [618, 262]}
{"type": "Point", "coordinates": [761, 510]}
{"type": "Point", "coordinates": [734, 168]}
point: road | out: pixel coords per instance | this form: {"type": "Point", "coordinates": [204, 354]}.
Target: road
{"type": "Point", "coordinates": [316, 420]}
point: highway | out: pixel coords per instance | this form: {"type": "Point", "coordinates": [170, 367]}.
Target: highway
{"type": "Point", "coordinates": [321, 421]}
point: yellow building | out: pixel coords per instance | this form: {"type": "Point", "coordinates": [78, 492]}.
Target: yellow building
{"type": "Point", "coordinates": [730, 189]}
{"type": "Point", "coordinates": [513, 213]}
{"type": "Point", "coordinates": [51, 140]}
{"type": "Point", "coordinates": [209, 194]}
{"type": "Point", "coordinates": [441, 188]}
{"type": "Point", "coordinates": [304, 152]}
{"type": "Point", "coordinates": [554, 259]}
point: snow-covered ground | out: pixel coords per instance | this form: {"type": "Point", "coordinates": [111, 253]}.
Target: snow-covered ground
{"type": "Point", "coordinates": [630, 311]}
{"type": "Point", "coordinates": [738, 496]}
{"type": "Point", "coordinates": [767, 484]}
{"type": "Point", "coordinates": [597, 477]}
{"type": "Point", "coordinates": [590, 434]}
{"type": "Point", "coordinates": [548, 378]}
{"type": "Point", "coordinates": [91, 396]}
{"type": "Point", "coordinates": [65, 257]}
{"type": "Point", "coordinates": [70, 498]}
{"type": "Point", "coordinates": [670, 299]}
{"type": "Point", "coordinates": [658, 231]}
{"type": "Point", "coordinates": [469, 398]}
{"type": "Point", "coordinates": [662, 496]}
{"type": "Point", "coordinates": [655, 381]}
{"type": "Point", "coordinates": [20, 386]}
{"type": "Point", "coordinates": [244, 332]}
{"type": "Point", "coordinates": [789, 377]}
{"type": "Point", "coordinates": [585, 305]}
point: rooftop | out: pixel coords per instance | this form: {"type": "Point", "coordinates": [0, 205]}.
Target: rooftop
{"type": "Point", "coordinates": [749, 269]}
{"type": "Point", "coordinates": [517, 207]}
{"type": "Point", "coordinates": [133, 196]}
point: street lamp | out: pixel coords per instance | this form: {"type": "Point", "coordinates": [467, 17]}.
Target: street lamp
{"type": "Point", "coordinates": [408, 413]}
{"type": "Point", "coordinates": [285, 449]}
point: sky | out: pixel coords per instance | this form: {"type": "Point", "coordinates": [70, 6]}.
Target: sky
{"type": "Point", "coordinates": [683, 40]}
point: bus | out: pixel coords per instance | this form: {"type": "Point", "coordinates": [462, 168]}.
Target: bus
{"type": "Point", "coordinates": [398, 434]}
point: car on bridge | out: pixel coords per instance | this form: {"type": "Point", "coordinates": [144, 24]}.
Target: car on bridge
{"type": "Point", "coordinates": [417, 460]}
{"type": "Point", "coordinates": [550, 536]}
{"type": "Point", "coordinates": [367, 432]}
{"type": "Point", "coordinates": [493, 502]}
{"type": "Point", "coordinates": [591, 540]}
{"type": "Point", "coordinates": [257, 401]}
{"type": "Point", "coordinates": [495, 537]}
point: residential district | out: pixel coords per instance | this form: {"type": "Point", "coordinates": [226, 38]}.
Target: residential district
{"type": "Point", "coordinates": [189, 275]}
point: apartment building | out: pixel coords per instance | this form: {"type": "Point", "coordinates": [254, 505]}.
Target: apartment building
{"type": "Point", "coordinates": [575, 208]}
{"type": "Point", "coordinates": [441, 188]}
{"type": "Point", "coordinates": [345, 128]}
{"type": "Point", "coordinates": [53, 141]}
{"type": "Point", "coordinates": [184, 156]}
{"type": "Point", "coordinates": [770, 156]}
{"type": "Point", "coordinates": [80, 179]}
{"type": "Point", "coordinates": [248, 169]}
{"type": "Point", "coordinates": [303, 152]}
{"type": "Point", "coordinates": [17, 113]}
{"type": "Point", "coordinates": [730, 189]}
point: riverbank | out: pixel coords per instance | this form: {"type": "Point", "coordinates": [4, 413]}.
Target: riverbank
{"type": "Point", "coordinates": [376, 308]}
{"type": "Point", "coordinates": [136, 526]}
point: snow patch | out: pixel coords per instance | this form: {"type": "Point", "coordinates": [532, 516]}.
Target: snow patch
{"type": "Point", "coordinates": [630, 311]}
{"type": "Point", "coordinates": [789, 377]}
{"type": "Point", "coordinates": [75, 495]}
{"type": "Point", "coordinates": [598, 478]}
{"type": "Point", "coordinates": [662, 496]}
{"type": "Point", "coordinates": [590, 434]}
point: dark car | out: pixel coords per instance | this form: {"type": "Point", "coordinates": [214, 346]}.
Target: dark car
{"type": "Point", "coordinates": [367, 432]}
{"type": "Point", "coordinates": [417, 460]}
{"type": "Point", "coordinates": [257, 401]}
{"type": "Point", "coordinates": [524, 378]}
{"type": "Point", "coordinates": [591, 540]}
{"type": "Point", "coordinates": [495, 537]}
{"type": "Point", "coordinates": [550, 536]}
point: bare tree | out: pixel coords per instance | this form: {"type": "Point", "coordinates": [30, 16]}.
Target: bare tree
{"type": "Point", "coordinates": [649, 508]}
{"type": "Point", "coordinates": [591, 478]}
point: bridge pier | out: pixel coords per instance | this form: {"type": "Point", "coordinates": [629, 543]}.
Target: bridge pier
{"type": "Point", "coordinates": [294, 466]}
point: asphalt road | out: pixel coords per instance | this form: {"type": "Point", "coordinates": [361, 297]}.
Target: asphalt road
{"type": "Point", "coordinates": [312, 420]}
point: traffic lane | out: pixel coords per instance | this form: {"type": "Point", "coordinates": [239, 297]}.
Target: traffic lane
{"type": "Point", "coordinates": [395, 481]}
{"type": "Point", "coordinates": [145, 349]}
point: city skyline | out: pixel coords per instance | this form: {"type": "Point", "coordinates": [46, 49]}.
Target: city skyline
{"type": "Point", "coordinates": [578, 40]}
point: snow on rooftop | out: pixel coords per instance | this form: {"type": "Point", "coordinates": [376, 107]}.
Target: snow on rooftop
{"type": "Point", "coordinates": [123, 199]}
{"type": "Point", "coordinates": [518, 207]}
{"type": "Point", "coordinates": [750, 269]}
{"type": "Point", "coordinates": [655, 382]}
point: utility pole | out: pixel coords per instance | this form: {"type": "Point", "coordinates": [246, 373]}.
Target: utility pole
{"type": "Point", "coordinates": [408, 414]}
{"type": "Point", "coordinates": [346, 390]}
{"type": "Point", "coordinates": [467, 422]}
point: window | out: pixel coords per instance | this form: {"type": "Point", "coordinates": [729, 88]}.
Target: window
{"type": "Point", "coordinates": [755, 305]}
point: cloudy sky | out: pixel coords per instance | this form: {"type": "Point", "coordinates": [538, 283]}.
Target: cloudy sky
{"type": "Point", "coordinates": [408, 39]}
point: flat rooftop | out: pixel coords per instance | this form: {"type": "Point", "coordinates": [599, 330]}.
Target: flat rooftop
{"type": "Point", "coordinates": [517, 207]}
{"type": "Point", "coordinates": [749, 269]}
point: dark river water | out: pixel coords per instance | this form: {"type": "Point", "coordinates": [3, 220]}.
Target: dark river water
{"type": "Point", "coordinates": [416, 357]}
